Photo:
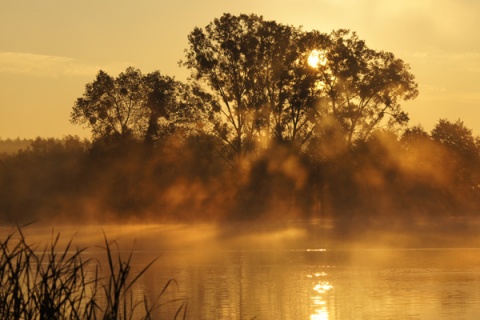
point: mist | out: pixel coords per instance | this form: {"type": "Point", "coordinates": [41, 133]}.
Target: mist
{"type": "Point", "coordinates": [406, 190]}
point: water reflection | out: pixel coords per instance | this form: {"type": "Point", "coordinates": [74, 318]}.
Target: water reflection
{"type": "Point", "coordinates": [303, 284]}
{"type": "Point", "coordinates": [319, 297]}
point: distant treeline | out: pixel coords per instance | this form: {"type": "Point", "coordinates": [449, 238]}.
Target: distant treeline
{"type": "Point", "coordinates": [274, 123]}
{"type": "Point", "coordinates": [388, 179]}
{"type": "Point", "coordinates": [10, 146]}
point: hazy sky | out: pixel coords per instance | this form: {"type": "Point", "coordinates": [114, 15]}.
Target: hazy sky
{"type": "Point", "coordinates": [50, 49]}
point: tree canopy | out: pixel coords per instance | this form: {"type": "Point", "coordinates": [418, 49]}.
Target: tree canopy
{"type": "Point", "coordinates": [362, 87]}
{"type": "Point", "coordinates": [255, 82]}
{"type": "Point", "coordinates": [134, 106]}
{"type": "Point", "coordinates": [278, 82]}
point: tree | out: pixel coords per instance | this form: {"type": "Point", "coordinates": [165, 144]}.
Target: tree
{"type": "Point", "coordinates": [456, 136]}
{"type": "Point", "coordinates": [266, 84]}
{"type": "Point", "coordinates": [112, 106]}
{"type": "Point", "coordinates": [134, 106]}
{"type": "Point", "coordinates": [362, 88]}
{"type": "Point", "coordinates": [260, 85]}
{"type": "Point", "coordinates": [413, 136]}
{"type": "Point", "coordinates": [463, 151]}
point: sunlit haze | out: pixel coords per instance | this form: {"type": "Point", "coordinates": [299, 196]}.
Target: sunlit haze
{"type": "Point", "coordinates": [49, 50]}
{"type": "Point", "coordinates": [256, 159]}
{"type": "Point", "coordinates": [317, 58]}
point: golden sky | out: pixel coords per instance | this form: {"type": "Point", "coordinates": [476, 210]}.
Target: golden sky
{"type": "Point", "coordinates": [50, 49]}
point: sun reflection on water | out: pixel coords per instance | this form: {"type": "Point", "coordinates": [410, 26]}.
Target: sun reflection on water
{"type": "Point", "coordinates": [318, 298]}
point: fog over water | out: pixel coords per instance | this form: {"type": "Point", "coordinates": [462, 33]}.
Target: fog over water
{"type": "Point", "coordinates": [250, 236]}
{"type": "Point", "coordinates": [247, 271]}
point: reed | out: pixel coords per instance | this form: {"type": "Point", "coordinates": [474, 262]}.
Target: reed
{"type": "Point", "coordinates": [55, 283]}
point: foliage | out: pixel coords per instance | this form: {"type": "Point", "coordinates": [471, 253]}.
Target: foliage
{"type": "Point", "coordinates": [363, 87]}
{"type": "Point", "coordinates": [409, 177]}
{"type": "Point", "coordinates": [267, 88]}
{"type": "Point", "coordinates": [12, 146]}
{"type": "Point", "coordinates": [58, 284]}
{"type": "Point", "coordinates": [457, 137]}
{"type": "Point", "coordinates": [133, 106]}
{"type": "Point", "coordinates": [260, 87]}
{"type": "Point", "coordinates": [463, 151]}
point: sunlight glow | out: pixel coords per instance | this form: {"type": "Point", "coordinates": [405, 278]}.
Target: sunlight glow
{"type": "Point", "coordinates": [320, 85]}
{"type": "Point", "coordinates": [322, 287]}
{"type": "Point", "coordinates": [320, 315]}
{"type": "Point", "coordinates": [321, 311]}
{"type": "Point", "coordinates": [317, 58]}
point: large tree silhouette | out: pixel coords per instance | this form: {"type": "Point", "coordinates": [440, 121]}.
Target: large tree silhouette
{"type": "Point", "coordinates": [134, 106]}
{"type": "Point", "coordinates": [362, 88]}
{"type": "Point", "coordinates": [268, 87]}
{"type": "Point", "coordinates": [261, 85]}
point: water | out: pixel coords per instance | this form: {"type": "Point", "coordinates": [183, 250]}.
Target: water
{"type": "Point", "coordinates": [274, 282]}
{"type": "Point", "coordinates": [303, 284]}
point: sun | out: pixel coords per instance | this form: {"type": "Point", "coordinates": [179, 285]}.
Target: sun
{"type": "Point", "coordinates": [317, 58]}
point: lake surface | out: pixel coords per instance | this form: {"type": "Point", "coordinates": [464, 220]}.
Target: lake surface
{"type": "Point", "coordinates": [315, 284]}
{"type": "Point", "coordinates": [268, 279]}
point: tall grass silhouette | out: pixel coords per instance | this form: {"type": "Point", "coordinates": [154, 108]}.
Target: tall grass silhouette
{"type": "Point", "coordinates": [57, 283]}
